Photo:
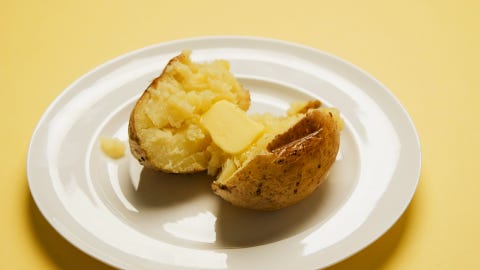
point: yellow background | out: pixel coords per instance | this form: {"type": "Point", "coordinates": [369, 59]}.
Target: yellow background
{"type": "Point", "coordinates": [426, 52]}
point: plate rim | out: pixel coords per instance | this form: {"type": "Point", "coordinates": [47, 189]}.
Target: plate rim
{"type": "Point", "coordinates": [112, 261]}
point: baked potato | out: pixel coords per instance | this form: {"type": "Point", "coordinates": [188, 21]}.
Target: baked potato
{"type": "Point", "coordinates": [188, 115]}
{"type": "Point", "coordinates": [164, 129]}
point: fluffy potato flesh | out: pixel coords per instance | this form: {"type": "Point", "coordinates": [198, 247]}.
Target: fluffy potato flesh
{"type": "Point", "coordinates": [164, 129]}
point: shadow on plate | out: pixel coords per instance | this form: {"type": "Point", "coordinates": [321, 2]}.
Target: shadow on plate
{"type": "Point", "coordinates": [158, 189]}
{"type": "Point", "coordinates": [59, 251]}
{"type": "Point", "coordinates": [234, 227]}
{"type": "Point", "coordinates": [238, 227]}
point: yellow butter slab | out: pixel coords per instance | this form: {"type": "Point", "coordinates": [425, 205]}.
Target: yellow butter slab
{"type": "Point", "coordinates": [230, 127]}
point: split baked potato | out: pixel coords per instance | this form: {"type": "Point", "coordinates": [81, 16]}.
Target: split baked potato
{"type": "Point", "coordinates": [277, 161]}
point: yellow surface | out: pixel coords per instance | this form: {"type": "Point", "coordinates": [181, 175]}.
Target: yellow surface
{"type": "Point", "coordinates": [230, 127]}
{"type": "Point", "coordinates": [426, 52]}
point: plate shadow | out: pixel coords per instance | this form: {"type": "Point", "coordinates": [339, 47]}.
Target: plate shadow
{"type": "Point", "coordinates": [238, 227]}
{"type": "Point", "coordinates": [158, 189]}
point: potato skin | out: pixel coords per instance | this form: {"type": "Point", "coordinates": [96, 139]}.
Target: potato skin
{"type": "Point", "coordinates": [297, 163]}
{"type": "Point", "coordinates": [136, 148]}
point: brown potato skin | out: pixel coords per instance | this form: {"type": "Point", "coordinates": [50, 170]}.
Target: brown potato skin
{"type": "Point", "coordinates": [297, 163]}
{"type": "Point", "coordinates": [135, 142]}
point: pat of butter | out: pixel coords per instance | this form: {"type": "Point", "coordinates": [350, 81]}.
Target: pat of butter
{"type": "Point", "coordinates": [230, 127]}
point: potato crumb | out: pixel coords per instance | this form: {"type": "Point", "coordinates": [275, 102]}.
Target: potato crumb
{"type": "Point", "coordinates": [113, 148]}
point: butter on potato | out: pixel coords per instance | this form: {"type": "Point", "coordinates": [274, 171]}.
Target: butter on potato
{"type": "Point", "coordinates": [289, 168]}
{"type": "Point", "coordinates": [230, 127]}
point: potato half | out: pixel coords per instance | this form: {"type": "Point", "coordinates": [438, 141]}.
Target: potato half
{"type": "Point", "coordinates": [164, 129]}
{"type": "Point", "coordinates": [294, 164]}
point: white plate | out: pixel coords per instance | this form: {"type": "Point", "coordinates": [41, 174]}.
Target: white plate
{"type": "Point", "coordinates": [134, 218]}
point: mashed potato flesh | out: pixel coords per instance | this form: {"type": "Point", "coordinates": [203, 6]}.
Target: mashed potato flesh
{"type": "Point", "coordinates": [169, 120]}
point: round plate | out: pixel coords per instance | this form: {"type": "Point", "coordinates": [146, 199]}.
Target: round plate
{"type": "Point", "coordinates": [131, 217]}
